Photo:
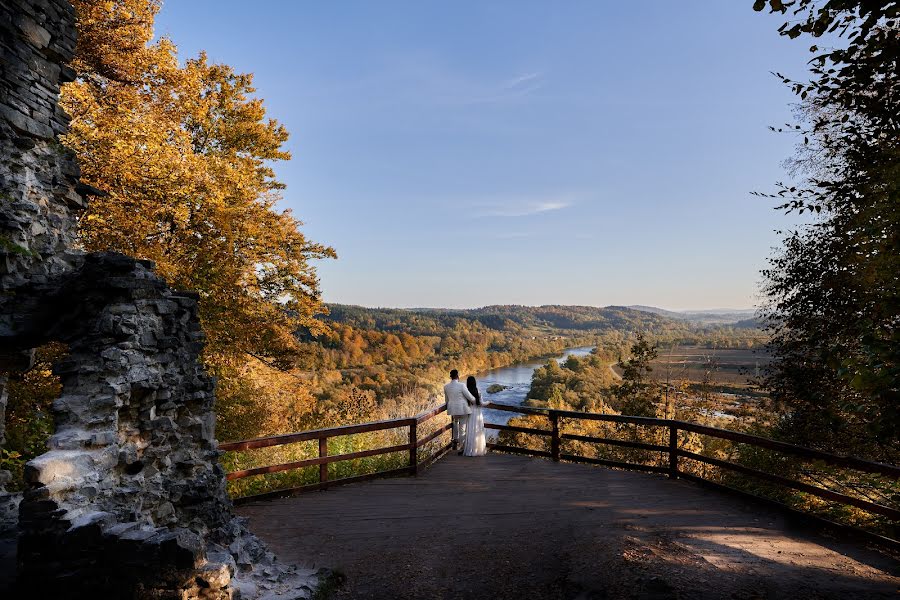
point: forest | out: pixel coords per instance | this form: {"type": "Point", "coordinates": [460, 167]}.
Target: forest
{"type": "Point", "coordinates": [367, 364]}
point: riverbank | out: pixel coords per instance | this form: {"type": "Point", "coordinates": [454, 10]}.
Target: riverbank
{"type": "Point", "coordinates": [516, 382]}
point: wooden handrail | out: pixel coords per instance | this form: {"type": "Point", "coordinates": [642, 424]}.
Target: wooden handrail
{"type": "Point", "coordinates": [315, 434]}
{"type": "Point", "coordinates": [422, 417]}
{"type": "Point", "coordinates": [614, 442]}
{"type": "Point", "coordinates": [517, 450]}
{"type": "Point", "coordinates": [527, 430]}
{"type": "Point", "coordinates": [837, 460]}
{"type": "Point", "coordinates": [433, 435]}
{"type": "Point", "coordinates": [324, 459]}
{"type": "Point", "coordinates": [872, 507]}
{"type": "Point", "coordinates": [525, 410]}
{"type": "Point", "coordinates": [556, 438]}
{"type": "Point", "coordinates": [613, 463]}
{"type": "Point", "coordinates": [309, 462]}
{"type": "Point", "coordinates": [571, 414]}
{"type": "Point", "coordinates": [852, 462]}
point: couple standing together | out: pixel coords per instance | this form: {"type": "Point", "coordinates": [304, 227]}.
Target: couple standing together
{"type": "Point", "coordinates": [464, 407]}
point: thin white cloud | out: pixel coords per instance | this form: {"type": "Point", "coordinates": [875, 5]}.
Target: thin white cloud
{"type": "Point", "coordinates": [516, 87]}
{"type": "Point", "coordinates": [522, 208]}
{"type": "Point", "coordinates": [526, 209]}
{"type": "Point", "coordinates": [520, 81]}
{"type": "Point", "coordinates": [421, 78]}
{"type": "Point", "coordinates": [510, 235]}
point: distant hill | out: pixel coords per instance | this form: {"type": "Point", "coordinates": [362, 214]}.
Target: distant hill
{"type": "Point", "coordinates": [723, 316]}
{"type": "Point", "coordinates": [424, 321]}
{"type": "Point", "coordinates": [384, 349]}
{"type": "Point", "coordinates": [752, 323]}
{"type": "Point", "coordinates": [566, 320]}
{"type": "Point", "coordinates": [658, 311]}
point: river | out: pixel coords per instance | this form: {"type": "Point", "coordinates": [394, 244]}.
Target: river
{"type": "Point", "coordinates": [517, 379]}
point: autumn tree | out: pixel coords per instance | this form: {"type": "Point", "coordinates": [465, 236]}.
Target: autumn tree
{"type": "Point", "coordinates": [184, 153]}
{"type": "Point", "coordinates": [637, 394]}
{"type": "Point", "coordinates": [834, 286]}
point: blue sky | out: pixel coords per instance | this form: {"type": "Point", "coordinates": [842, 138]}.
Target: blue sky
{"type": "Point", "coordinates": [459, 154]}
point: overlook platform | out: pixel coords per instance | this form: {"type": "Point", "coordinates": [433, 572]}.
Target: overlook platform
{"type": "Point", "coordinates": [513, 527]}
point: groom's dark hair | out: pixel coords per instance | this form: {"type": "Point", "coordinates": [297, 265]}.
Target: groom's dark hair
{"type": "Point", "coordinates": [454, 374]}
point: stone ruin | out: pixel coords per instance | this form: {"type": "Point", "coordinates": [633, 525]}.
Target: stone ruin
{"type": "Point", "coordinates": [129, 501]}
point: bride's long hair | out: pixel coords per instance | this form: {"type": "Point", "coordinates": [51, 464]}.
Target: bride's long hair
{"type": "Point", "coordinates": [473, 388]}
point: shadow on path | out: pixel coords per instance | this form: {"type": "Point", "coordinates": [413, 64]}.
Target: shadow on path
{"type": "Point", "coordinates": [512, 527]}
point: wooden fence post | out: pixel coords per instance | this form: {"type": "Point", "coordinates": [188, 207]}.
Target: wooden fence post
{"type": "Point", "coordinates": [413, 451]}
{"type": "Point", "coordinates": [673, 451]}
{"type": "Point", "coordinates": [323, 468]}
{"type": "Point", "coordinates": [554, 440]}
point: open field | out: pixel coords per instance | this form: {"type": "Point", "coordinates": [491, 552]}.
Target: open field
{"type": "Point", "coordinates": [718, 366]}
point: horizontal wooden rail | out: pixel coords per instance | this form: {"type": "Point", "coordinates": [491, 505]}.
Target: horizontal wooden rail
{"type": "Point", "coordinates": [614, 442]}
{"type": "Point", "coordinates": [572, 414]}
{"type": "Point", "coordinates": [316, 434]}
{"type": "Point", "coordinates": [516, 409]}
{"type": "Point", "coordinates": [324, 459]}
{"type": "Point", "coordinates": [808, 453]}
{"type": "Point", "coordinates": [517, 450]}
{"type": "Point", "coordinates": [872, 507]}
{"type": "Point", "coordinates": [646, 421]}
{"type": "Point", "coordinates": [436, 434]}
{"type": "Point", "coordinates": [323, 485]}
{"type": "Point", "coordinates": [309, 462]}
{"type": "Point", "coordinates": [421, 418]}
{"type": "Point", "coordinates": [614, 463]}
{"type": "Point", "coordinates": [851, 462]}
{"type": "Point", "coordinates": [528, 430]}
{"type": "Point", "coordinates": [436, 455]}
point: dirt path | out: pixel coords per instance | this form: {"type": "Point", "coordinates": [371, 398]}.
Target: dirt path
{"type": "Point", "coordinates": [615, 373]}
{"type": "Point", "coordinates": [503, 527]}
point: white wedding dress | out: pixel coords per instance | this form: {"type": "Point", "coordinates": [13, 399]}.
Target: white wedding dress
{"type": "Point", "coordinates": [475, 444]}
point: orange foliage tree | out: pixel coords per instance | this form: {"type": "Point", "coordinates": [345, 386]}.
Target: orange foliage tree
{"type": "Point", "coordinates": [185, 153]}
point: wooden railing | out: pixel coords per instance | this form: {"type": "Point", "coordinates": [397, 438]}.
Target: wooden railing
{"type": "Point", "coordinates": [673, 453]}
{"type": "Point", "coordinates": [324, 459]}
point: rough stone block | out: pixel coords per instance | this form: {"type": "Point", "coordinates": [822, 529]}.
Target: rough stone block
{"type": "Point", "coordinates": [213, 575]}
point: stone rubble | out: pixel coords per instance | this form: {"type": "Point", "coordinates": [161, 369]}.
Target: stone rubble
{"type": "Point", "coordinates": [130, 500]}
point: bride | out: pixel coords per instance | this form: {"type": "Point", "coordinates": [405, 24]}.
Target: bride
{"type": "Point", "coordinates": [475, 444]}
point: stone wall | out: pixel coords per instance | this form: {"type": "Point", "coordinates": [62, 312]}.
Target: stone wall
{"type": "Point", "coordinates": [129, 501]}
{"type": "Point", "coordinates": [38, 182]}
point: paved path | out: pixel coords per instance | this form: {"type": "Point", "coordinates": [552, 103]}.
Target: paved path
{"type": "Point", "coordinates": [511, 527]}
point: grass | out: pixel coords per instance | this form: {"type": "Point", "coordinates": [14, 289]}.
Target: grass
{"type": "Point", "coordinates": [10, 247]}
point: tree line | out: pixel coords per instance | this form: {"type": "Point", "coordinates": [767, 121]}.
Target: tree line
{"type": "Point", "coordinates": [833, 287]}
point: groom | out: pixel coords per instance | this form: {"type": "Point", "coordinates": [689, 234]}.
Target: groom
{"type": "Point", "coordinates": [458, 400]}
